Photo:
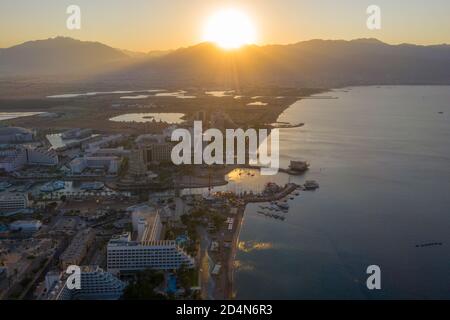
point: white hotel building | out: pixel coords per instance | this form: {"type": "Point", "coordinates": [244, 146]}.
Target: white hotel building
{"type": "Point", "coordinates": [147, 252]}
{"type": "Point", "coordinates": [96, 284]}
{"type": "Point", "coordinates": [12, 202]}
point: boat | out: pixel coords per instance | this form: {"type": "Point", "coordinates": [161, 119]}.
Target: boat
{"type": "Point", "coordinates": [283, 205]}
{"type": "Point", "coordinates": [311, 185]}
{"type": "Point", "coordinates": [53, 186]}
{"type": "Point", "coordinates": [89, 186]}
{"type": "Point", "coordinates": [298, 166]}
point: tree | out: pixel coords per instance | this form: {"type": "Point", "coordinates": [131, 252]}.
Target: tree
{"type": "Point", "coordinates": [144, 285]}
{"type": "Point", "coordinates": [186, 276]}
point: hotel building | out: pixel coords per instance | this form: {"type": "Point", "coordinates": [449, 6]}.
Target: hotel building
{"type": "Point", "coordinates": [147, 251]}
{"type": "Point", "coordinates": [77, 249]}
{"type": "Point", "coordinates": [96, 284]}
{"type": "Point", "coordinates": [12, 202]}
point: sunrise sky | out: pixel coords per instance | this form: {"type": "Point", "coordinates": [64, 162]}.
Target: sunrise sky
{"type": "Point", "coordinates": [143, 25]}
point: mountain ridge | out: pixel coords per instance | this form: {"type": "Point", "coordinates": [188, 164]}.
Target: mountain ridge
{"type": "Point", "coordinates": [313, 62]}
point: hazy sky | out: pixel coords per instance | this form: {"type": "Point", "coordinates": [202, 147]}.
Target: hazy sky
{"type": "Point", "coordinates": [144, 25]}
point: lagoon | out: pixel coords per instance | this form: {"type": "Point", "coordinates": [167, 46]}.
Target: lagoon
{"type": "Point", "coordinates": [173, 118]}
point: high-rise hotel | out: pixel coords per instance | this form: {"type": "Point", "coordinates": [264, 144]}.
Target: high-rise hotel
{"type": "Point", "coordinates": [147, 251]}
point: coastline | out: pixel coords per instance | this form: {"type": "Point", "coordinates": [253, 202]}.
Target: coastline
{"type": "Point", "coordinates": [240, 215]}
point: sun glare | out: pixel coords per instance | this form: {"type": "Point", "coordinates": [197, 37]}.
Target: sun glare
{"type": "Point", "coordinates": [230, 29]}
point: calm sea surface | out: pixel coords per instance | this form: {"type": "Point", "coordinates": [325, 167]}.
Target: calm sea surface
{"type": "Point", "coordinates": [382, 158]}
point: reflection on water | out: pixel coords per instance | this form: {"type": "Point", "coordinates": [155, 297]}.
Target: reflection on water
{"type": "Point", "coordinates": [177, 94]}
{"type": "Point", "coordinates": [220, 94]}
{"type": "Point", "coordinates": [249, 246]}
{"type": "Point", "coordinates": [243, 267]}
{"type": "Point", "coordinates": [142, 96]}
{"type": "Point", "coordinates": [241, 181]}
{"type": "Point", "coordinates": [149, 117]}
{"type": "Point", "coordinates": [91, 94]}
{"type": "Point", "coordinates": [257, 103]}
{"type": "Point", "coordinates": [15, 115]}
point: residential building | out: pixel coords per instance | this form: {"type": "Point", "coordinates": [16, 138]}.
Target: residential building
{"type": "Point", "coordinates": [146, 223]}
{"type": "Point", "coordinates": [15, 135]}
{"type": "Point", "coordinates": [12, 202]}
{"type": "Point", "coordinates": [136, 164]}
{"type": "Point", "coordinates": [26, 226]}
{"type": "Point", "coordinates": [41, 156]}
{"type": "Point", "coordinates": [109, 164]}
{"type": "Point", "coordinates": [77, 249]}
{"type": "Point", "coordinates": [158, 153]}
{"type": "Point", "coordinates": [13, 159]}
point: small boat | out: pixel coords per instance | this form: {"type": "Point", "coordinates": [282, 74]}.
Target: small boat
{"type": "Point", "coordinates": [311, 185]}
{"type": "Point", "coordinates": [283, 205]}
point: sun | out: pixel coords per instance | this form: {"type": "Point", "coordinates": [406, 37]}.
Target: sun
{"type": "Point", "coordinates": [230, 29]}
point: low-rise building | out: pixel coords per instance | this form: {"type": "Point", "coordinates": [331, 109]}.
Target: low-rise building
{"type": "Point", "coordinates": [109, 164]}
{"type": "Point", "coordinates": [26, 226]}
{"type": "Point", "coordinates": [12, 202]}
{"type": "Point", "coordinates": [136, 164]}
{"type": "Point", "coordinates": [42, 157]}
{"type": "Point", "coordinates": [158, 153]}
{"type": "Point", "coordinates": [15, 135]}
{"type": "Point", "coordinates": [13, 159]}
{"type": "Point", "coordinates": [103, 142]}
{"type": "Point", "coordinates": [155, 148]}
{"type": "Point", "coordinates": [16, 158]}
{"type": "Point", "coordinates": [77, 249]}
{"type": "Point", "coordinates": [108, 152]}
{"type": "Point", "coordinates": [76, 133]}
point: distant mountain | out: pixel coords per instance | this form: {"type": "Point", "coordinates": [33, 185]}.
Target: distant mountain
{"type": "Point", "coordinates": [310, 63]}
{"type": "Point", "coordinates": [58, 56]}
{"type": "Point", "coordinates": [324, 63]}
